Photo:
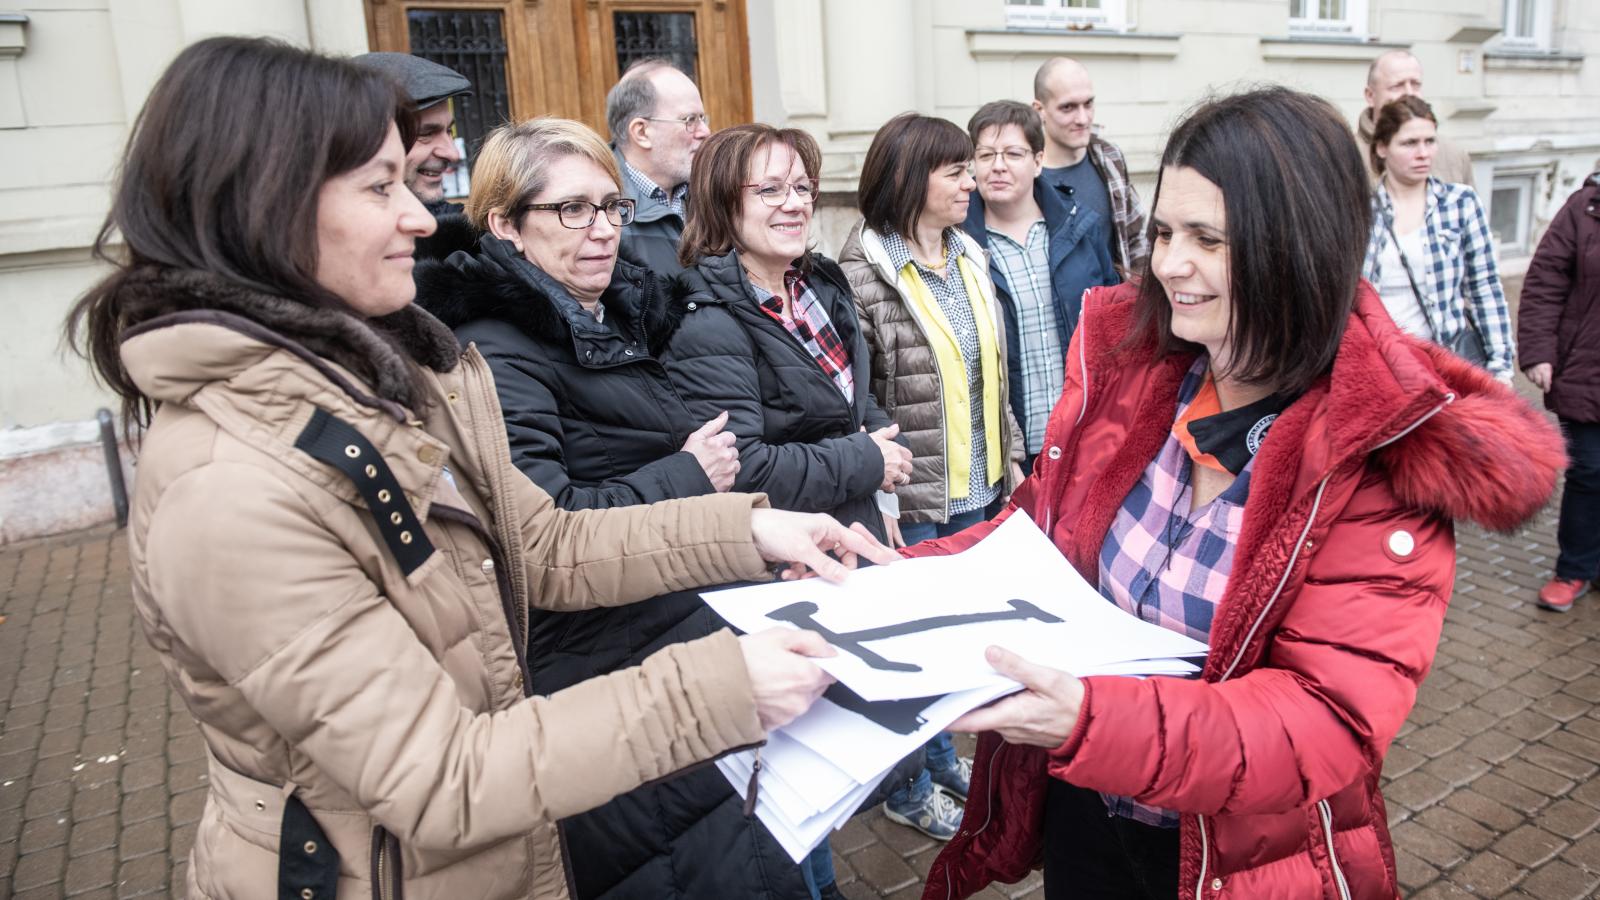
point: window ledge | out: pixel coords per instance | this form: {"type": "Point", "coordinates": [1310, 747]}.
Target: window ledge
{"type": "Point", "coordinates": [1516, 59]}
{"type": "Point", "coordinates": [1324, 47]}
{"type": "Point", "coordinates": [13, 35]}
{"type": "Point", "coordinates": [1008, 42]}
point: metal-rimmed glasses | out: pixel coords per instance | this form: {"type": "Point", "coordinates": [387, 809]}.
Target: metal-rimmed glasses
{"type": "Point", "coordinates": [579, 214]}
{"type": "Point", "coordinates": [1014, 156]}
{"type": "Point", "coordinates": [776, 193]}
{"type": "Point", "coordinates": [689, 122]}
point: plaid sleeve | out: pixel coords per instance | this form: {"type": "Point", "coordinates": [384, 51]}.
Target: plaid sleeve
{"type": "Point", "coordinates": [1484, 300]}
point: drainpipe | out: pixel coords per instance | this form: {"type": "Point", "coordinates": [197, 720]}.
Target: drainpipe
{"type": "Point", "coordinates": [108, 441]}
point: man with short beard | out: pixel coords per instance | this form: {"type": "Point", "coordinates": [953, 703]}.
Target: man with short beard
{"type": "Point", "coordinates": [1397, 74]}
{"type": "Point", "coordinates": [431, 87]}
{"type": "Point", "coordinates": [657, 122]}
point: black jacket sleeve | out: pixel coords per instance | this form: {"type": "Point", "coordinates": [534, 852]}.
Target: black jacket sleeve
{"type": "Point", "coordinates": [806, 477]}
{"type": "Point", "coordinates": [538, 441]}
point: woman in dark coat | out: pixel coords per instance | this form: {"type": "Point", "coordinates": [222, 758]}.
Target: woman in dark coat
{"type": "Point", "coordinates": [773, 340]}
{"type": "Point", "coordinates": [573, 337]}
{"type": "Point", "coordinates": [1558, 344]}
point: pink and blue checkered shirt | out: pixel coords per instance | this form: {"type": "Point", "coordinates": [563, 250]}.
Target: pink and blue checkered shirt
{"type": "Point", "coordinates": [1168, 563]}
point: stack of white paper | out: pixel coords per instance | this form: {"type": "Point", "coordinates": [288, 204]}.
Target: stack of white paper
{"type": "Point", "coordinates": [918, 629]}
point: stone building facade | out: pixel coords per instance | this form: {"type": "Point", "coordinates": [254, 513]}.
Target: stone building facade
{"type": "Point", "coordinates": [1510, 79]}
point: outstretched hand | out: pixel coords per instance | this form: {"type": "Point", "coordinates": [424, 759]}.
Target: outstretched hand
{"type": "Point", "coordinates": [783, 678]}
{"type": "Point", "coordinates": [804, 540]}
{"type": "Point", "coordinates": [1042, 714]}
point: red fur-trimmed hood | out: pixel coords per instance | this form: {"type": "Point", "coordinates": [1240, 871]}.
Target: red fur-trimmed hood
{"type": "Point", "coordinates": [1488, 456]}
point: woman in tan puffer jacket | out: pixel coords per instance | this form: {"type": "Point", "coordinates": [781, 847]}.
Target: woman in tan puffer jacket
{"type": "Point", "coordinates": [331, 550]}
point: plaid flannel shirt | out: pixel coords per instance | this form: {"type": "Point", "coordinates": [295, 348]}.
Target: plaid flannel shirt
{"type": "Point", "coordinates": [809, 324]}
{"type": "Point", "coordinates": [1459, 278]}
{"type": "Point", "coordinates": [1027, 271]}
{"type": "Point", "coordinates": [1167, 562]}
{"type": "Point", "coordinates": [1127, 214]}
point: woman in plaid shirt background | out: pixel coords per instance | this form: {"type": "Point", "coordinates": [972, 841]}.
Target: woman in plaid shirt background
{"type": "Point", "coordinates": [1430, 255]}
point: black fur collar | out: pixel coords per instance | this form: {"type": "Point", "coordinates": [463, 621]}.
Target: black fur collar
{"type": "Point", "coordinates": [494, 281]}
{"type": "Point", "coordinates": [380, 351]}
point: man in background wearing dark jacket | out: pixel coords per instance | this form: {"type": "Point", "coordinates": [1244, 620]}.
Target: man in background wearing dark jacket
{"type": "Point", "coordinates": [657, 122]}
{"type": "Point", "coordinates": [1086, 167]}
{"type": "Point", "coordinates": [1558, 346]}
{"type": "Point", "coordinates": [1045, 250]}
{"type": "Point", "coordinates": [431, 87]}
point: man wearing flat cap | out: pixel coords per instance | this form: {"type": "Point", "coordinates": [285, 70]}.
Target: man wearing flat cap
{"type": "Point", "coordinates": [430, 87]}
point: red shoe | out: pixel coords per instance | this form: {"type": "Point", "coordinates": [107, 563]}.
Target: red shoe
{"type": "Point", "coordinates": [1559, 594]}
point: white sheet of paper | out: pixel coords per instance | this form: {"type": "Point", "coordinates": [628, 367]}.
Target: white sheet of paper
{"type": "Point", "coordinates": [798, 837]}
{"type": "Point", "coordinates": [1079, 631]}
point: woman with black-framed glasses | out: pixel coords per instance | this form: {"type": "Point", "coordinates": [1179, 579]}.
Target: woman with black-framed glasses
{"type": "Point", "coordinates": [574, 336]}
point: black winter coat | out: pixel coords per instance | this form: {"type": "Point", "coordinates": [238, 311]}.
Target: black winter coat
{"type": "Point", "coordinates": [799, 439]}
{"type": "Point", "coordinates": [594, 419]}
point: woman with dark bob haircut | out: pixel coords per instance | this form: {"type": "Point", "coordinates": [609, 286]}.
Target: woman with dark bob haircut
{"type": "Point", "coordinates": [331, 550]}
{"type": "Point", "coordinates": [1250, 452]}
{"type": "Point", "coordinates": [938, 342]}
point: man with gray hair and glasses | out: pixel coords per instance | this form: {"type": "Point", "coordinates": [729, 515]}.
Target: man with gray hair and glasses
{"type": "Point", "coordinates": [657, 122]}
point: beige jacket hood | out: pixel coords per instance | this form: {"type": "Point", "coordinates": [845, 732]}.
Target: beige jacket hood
{"type": "Point", "coordinates": [393, 704]}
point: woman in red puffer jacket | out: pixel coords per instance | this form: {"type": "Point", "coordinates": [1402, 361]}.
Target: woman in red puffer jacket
{"type": "Point", "coordinates": [1247, 450]}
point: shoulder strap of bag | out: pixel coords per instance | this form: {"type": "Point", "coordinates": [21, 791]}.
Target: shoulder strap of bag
{"type": "Point", "coordinates": [1416, 292]}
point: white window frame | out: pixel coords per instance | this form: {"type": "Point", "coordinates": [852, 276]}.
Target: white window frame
{"type": "Point", "coordinates": [1526, 183]}
{"type": "Point", "coordinates": [1111, 16]}
{"type": "Point", "coordinates": [1543, 37]}
{"type": "Point", "coordinates": [1352, 25]}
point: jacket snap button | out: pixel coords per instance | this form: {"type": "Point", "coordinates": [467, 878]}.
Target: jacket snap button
{"type": "Point", "coordinates": [260, 806]}
{"type": "Point", "coordinates": [396, 518]}
{"type": "Point", "coordinates": [588, 354]}
{"type": "Point", "coordinates": [352, 451]}
{"type": "Point", "coordinates": [488, 567]}
{"type": "Point", "coordinates": [518, 681]}
{"type": "Point", "coordinates": [1055, 452]}
{"type": "Point", "coordinates": [428, 455]}
{"type": "Point", "coordinates": [384, 496]}
{"type": "Point", "coordinates": [1401, 543]}
{"type": "Point", "coordinates": [311, 847]}
{"type": "Point", "coordinates": [693, 307]}
{"type": "Point", "coordinates": [452, 396]}
{"type": "Point", "coordinates": [405, 537]}
{"type": "Point", "coordinates": [1216, 884]}
{"type": "Point", "coordinates": [627, 353]}
{"type": "Point", "coordinates": [307, 893]}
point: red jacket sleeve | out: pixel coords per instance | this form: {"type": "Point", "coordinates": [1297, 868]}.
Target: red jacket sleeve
{"type": "Point", "coordinates": [1340, 675]}
{"type": "Point", "coordinates": [1548, 282]}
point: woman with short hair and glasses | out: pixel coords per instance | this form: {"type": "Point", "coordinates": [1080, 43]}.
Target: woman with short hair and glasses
{"type": "Point", "coordinates": [574, 337]}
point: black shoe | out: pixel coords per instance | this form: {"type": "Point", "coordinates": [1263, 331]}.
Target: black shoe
{"type": "Point", "coordinates": [830, 891]}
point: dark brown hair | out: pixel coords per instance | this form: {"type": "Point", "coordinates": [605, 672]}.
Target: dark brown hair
{"type": "Point", "coordinates": [894, 176]}
{"type": "Point", "coordinates": [1386, 124]}
{"type": "Point", "coordinates": [1000, 113]}
{"type": "Point", "coordinates": [1299, 215]}
{"type": "Point", "coordinates": [222, 174]}
{"type": "Point", "coordinates": [717, 179]}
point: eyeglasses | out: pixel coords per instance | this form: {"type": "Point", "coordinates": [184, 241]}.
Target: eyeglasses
{"type": "Point", "coordinates": [776, 193]}
{"type": "Point", "coordinates": [689, 122]}
{"type": "Point", "coordinates": [1013, 155]}
{"type": "Point", "coordinates": [579, 214]}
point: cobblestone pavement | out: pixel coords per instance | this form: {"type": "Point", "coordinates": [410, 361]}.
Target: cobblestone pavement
{"type": "Point", "coordinates": [1491, 785]}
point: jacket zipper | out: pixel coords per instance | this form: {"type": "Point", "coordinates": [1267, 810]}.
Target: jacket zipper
{"type": "Point", "coordinates": [1250, 635]}
{"type": "Point", "coordinates": [1333, 857]}
{"type": "Point", "coordinates": [949, 884]}
{"type": "Point", "coordinates": [386, 877]}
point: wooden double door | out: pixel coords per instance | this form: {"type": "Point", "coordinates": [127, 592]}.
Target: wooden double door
{"type": "Point", "coordinates": [528, 58]}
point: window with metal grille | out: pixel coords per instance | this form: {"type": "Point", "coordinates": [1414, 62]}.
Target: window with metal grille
{"type": "Point", "coordinates": [473, 43]}
{"type": "Point", "coordinates": [644, 35]}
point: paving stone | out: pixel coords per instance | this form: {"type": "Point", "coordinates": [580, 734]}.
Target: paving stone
{"type": "Point", "coordinates": [1412, 871]}
{"type": "Point", "coordinates": [1447, 823]}
{"type": "Point", "coordinates": [92, 835]}
{"type": "Point", "coordinates": [1430, 846]}
{"type": "Point", "coordinates": [85, 873]}
{"type": "Point", "coordinates": [39, 868]}
{"type": "Point", "coordinates": [1558, 880]}
{"type": "Point", "coordinates": [1569, 818]}
{"type": "Point", "coordinates": [1486, 875]}
{"type": "Point", "coordinates": [1417, 790]}
{"type": "Point", "coordinates": [1529, 846]}
{"type": "Point", "coordinates": [1512, 794]}
{"type": "Point", "coordinates": [149, 836]}
{"type": "Point", "coordinates": [882, 868]}
{"type": "Point", "coordinates": [43, 833]}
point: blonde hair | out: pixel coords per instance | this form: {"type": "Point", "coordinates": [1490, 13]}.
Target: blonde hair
{"type": "Point", "coordinates": [511, 168]}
